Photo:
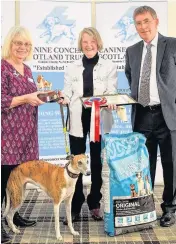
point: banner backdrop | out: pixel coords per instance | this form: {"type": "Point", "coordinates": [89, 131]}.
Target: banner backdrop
{"type": "Point", "coordinates": [55, 27]}
{"type": "Point", "coordinates": [118, 32]}
{"type": "Point", "coordinates": [55, 32]}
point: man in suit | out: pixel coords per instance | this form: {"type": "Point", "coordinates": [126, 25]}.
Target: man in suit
{"type": "Point", "coordinates": [151, 72]}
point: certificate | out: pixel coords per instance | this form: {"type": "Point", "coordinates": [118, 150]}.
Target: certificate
{"type": "Point", "coordinates": [105, 100]}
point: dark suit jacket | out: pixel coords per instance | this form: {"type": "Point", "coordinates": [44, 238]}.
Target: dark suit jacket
{"type": "Point", "coordinates": [165, 74]}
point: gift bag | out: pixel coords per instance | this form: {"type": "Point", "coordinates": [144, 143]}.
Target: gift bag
{"type": "Point", "coordinates": [127, 190]}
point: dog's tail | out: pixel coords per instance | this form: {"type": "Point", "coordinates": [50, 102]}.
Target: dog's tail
{"type": "Point", "coordinates": [7, 208]}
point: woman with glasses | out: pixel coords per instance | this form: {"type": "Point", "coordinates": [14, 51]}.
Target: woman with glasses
{"type": "Point", "coordinates": [19, 101]}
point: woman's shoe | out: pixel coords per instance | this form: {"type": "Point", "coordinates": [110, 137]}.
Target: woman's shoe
{"type": "Point", "coordinates": [19, 221]}
{"type": "Point", "coordinates": [5, 238]}
{"type": "Point", "coordinates": [96, 214]}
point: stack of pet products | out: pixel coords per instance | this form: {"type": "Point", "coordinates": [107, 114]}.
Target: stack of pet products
{"type": "Point", "coordinates": [127, 191]}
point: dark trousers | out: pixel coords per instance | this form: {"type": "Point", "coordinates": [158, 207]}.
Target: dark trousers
{"type": "Point", "coordinates": [5, 173]}
{"type": "Point", "coordinates": [78, 146]}
{"type": "Point", "coordinates": [151, 123]}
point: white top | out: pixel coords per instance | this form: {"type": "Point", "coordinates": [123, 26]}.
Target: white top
{"type": "Point", "coordinates": [154, 96]}
{"type": "Point", "coordinates": [104, 82]}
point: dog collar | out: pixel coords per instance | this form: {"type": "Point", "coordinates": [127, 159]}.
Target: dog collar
{"type": "Point", "coordinates": [72, 175]}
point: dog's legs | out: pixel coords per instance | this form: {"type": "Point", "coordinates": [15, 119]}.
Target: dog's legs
{"type": "Point", "coordinates": [49, 39]}
{"type": "Point", "coordinates": [15, 191]}
{"type": "Point", "coordinates": [57, 224]}
{"type": "Point", "coordinates": [9, 219]}
{"type": "Point", "coordinates": [69, 217]}
{"type": "Point", "coordinates": [44, 34]}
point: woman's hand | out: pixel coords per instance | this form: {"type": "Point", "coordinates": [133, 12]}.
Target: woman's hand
{"type": "Point", "coordinates": [62, 99]}
{"type": "Point", "coordinates": [33, 100]}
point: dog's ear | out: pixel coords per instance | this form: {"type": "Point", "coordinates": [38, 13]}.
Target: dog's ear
{"type": "Point", "coordinates": [70, 157]}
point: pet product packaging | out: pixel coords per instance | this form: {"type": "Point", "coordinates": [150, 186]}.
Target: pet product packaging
{"type": "Point", "coordinates": [127, 190]}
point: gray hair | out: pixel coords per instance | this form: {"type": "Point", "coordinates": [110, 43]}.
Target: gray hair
{"type": "Point", "coordinates": [144, 9]}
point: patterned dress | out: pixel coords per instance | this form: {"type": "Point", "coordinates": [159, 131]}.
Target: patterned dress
{"type": "Point", "coordinates": [19, 136]}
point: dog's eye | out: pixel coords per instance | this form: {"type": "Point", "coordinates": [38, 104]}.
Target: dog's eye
{"type": "Point", "coordinates": [79, 163]}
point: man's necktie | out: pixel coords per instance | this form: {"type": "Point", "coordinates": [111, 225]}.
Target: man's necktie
{"type": "Point", "coordinates": [144, 92]}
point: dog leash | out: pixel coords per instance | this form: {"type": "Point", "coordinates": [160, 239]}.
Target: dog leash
{"type": "Point", "coordinates": [65, 127]}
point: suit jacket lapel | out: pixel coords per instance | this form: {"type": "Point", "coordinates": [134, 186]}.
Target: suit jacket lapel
{"type": "Point", "coordinates": [160, 51]}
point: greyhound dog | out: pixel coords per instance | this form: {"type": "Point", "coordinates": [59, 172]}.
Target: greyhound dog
{"type": "Point", "coordinates": [58, 182]}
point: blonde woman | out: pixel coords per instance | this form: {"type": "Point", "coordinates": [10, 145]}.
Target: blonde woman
{"type": "Point", "coordinates": [19, 101]}
{"type": "Point", "coordinates": [89, 76]}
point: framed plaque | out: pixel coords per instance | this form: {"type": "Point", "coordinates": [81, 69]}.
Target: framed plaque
{"type": "Point", "coordinates": [105, 100]}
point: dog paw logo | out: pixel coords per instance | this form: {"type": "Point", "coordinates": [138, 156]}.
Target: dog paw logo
{"type": "Point", "coordinates": [57, 26]}
{"type": "Point", "coordinates": [125, 30]}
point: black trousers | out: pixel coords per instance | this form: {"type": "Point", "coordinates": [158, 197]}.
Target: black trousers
{"type": "Point", "coordinates": [5, 173]}
{"type": "Point", "coordinates": [151, 123]}
{"type": "Point", "coordinates": [78, 146]}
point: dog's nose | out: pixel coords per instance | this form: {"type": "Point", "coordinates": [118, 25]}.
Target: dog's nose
{"type": "Point", "coordinates": [88, 173]}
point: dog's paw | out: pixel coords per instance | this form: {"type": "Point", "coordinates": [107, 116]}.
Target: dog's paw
{"type": "Point", "coordinates": [75, 233]}
{"type": "Point", "coordinates": [15, 230]}
{"type": "Point", "coordinates": [59, 237]}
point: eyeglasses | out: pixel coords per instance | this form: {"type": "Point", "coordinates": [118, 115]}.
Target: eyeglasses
{"type": "Point", "coordinates": [20, 44]}
{"type": "Point", "coordinates": [144, 22]}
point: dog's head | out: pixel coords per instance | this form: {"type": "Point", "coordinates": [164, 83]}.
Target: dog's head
{"type": "Point", "coordinates": [139, 175]}
{"type": "Point", "coordinates": [79, 163]}
{"type": "Point", "coordinates": [40, 78]}
{"type": "Point", "coordinates": [132, 186]}
{"type": "Point", "coordinates": [51, 21]}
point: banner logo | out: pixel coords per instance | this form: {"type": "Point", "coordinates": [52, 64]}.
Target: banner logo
{"type": "Point", "coordinates": [56, 26]}
{"type": "Point", "coordinates": [125, 28]}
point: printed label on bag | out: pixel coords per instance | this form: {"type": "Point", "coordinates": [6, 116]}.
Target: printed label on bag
{"type": "Point", "coordinates": [133, 211]}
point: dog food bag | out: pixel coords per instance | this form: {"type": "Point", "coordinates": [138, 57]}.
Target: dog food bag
{"type": "Point", "coordinates": [127, 191]}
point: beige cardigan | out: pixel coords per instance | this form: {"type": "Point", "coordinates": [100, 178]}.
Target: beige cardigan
{"type": "Point", "coordinates": [104, 82]}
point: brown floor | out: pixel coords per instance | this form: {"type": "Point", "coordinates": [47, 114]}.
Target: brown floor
{"type": "Point", "coordinates": [39, 207]}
